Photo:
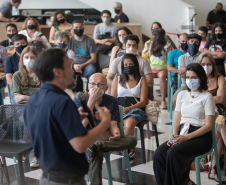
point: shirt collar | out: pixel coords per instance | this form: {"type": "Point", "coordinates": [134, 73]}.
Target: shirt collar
{"type": "Point", "coordinates": [53, 87]}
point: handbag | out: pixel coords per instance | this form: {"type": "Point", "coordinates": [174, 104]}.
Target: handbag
{"type": "Point", "coordinates": [151, 108]}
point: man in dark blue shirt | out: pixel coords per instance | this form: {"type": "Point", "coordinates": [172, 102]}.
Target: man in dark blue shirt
{"type": "Point", "coordinates": [54, 123]}
{"type": "Point", "coordinates": [110, 140]}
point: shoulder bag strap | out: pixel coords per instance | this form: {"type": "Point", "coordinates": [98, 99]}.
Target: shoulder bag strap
{"type": "Point", "coordinates": [127, 85]}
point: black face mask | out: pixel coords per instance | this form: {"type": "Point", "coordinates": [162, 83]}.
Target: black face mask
{"type": "Point", "coordinates": [31, 27]}
{"type": "Point", "coordinates": [79, 32]}
{"type": "Point", "coordinates": [61, 21]}
{"type": "Point", "coordinates": [219, 35]}
{"type": "Point", "coordinates": [129, 70]}
{"type": "Point", "coordinates": [11, 35]}
{"type": "Point", "coordinates": [184, 46]}
{"type": "Point", "coordinates": [61, 45]}
{"type": "Point", "coordinates": [193, 49]}
{"type": "Point", "coordinates": [117, 11]}
{"type": "Point", "coordinates": [20, 48]}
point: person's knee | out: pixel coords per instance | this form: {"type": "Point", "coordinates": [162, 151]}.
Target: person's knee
{"type": "Point", "coordinates": [89, 70]}
{"type": "Point", "coordinates": [171, 153]}
{"type": "Point", "coordinates": [130, 141]}
{"type": "Point", "coordinates": [127, 125]}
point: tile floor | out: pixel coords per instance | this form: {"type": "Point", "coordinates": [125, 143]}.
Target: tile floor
{"type": "Point", "coordinates": [142, 173]}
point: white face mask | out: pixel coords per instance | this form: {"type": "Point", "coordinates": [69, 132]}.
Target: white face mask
{"type": "Point", "coordinates": [208, 69]}
{"type": "Point", "coordinates": [131, 51]}
{"type": "Point", "coordinates": [29, 63]}
{"type": "Point", "coordinates": [193, 84]}
{"type": "Point", "coordinates": [121, 39]}
{"type": "Point", "coordinates": [102, 91]}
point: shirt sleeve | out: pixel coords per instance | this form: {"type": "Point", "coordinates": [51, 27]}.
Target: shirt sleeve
{"type": "Point", "coordinates": [115, 115]}
{"type": "Point", "coordinates": [8, 66]}
{"type": "Point", "coordinates": [178, 103]}
{"type": "Point", "coordinates": [125, 18]}
{"type": "Point", "coordinates": [210, 105]}
{"type": "Point", "coordinates": [180, 62]}
{"type": "Point", "coordinates": [71, 55]}
{"type": "Point", "coordinates": [146, 67]}
{"type": "Point", "coordinates": [92, 47]}
{"type": "Point", "coordinates": [5, 10]}
{"type": "Point", "coordinates": [43, 37]}
{"type": "Point", "coordinates": [96, 32]}
{"type": "Point", "coordinates": [69, 120]}
{"type": "Point", "coordinates": [209, 17]}
{"type": "Point", "coordinates": [16, 84]}
{"type": "Point", "coordinates": [208, 44]}
{"type": "Point", "coordinates": [113, 67]}
{"type": "Point", "coordinates": [170, 58]}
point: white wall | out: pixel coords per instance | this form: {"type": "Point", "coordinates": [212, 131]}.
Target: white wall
{"type": "Point", "coordinates": [202, 8]}
{"type": "Point", "coordinates": [170, 13]}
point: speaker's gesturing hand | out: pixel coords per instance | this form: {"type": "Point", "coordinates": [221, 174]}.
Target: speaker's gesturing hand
{"type": "Point", "coordinates": [82, 113]}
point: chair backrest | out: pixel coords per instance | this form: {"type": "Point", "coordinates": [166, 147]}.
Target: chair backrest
{"type": "Point", "coordinates": [179, 82]}
{"type": "Point", "coordinates": [121, 121]}
{"type": "Point", "coordinates": [102, 61]}
{"type": "Point", "coordinates": [12, 126]}
{"type": "Point", "coordinates": [169, 80]}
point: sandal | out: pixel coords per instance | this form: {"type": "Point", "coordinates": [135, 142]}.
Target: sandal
{"type": "Point", "coordinates": [131, 153]}
{"type": "Point", "coordinates": [215, 173]}
{"type": "Point", "coordinates": [131, 160]}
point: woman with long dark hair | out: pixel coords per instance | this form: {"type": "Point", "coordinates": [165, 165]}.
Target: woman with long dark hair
{"type": "Point", "coordinates": [216, 46]}
{"type": "Point", "coordinates": [133, 109]}
{"type": "Point", "coordinates": [59, 24]}
{"type": "Point", "coordinates": [120, 48]}
{"type": "Point", "coordinates": [195, 110]}
{"type": "Point", "coordinates": [158, 56]}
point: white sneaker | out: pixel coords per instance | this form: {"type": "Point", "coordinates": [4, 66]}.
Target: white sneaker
{"type": "Point", "coordinates": [34, 163]}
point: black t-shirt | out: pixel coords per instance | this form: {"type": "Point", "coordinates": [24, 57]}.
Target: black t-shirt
{"type": "Point", "coordinates": [217, 46]}
{"type": "Point", "coordinates": [122, 18]}
{"type": "Point", "coordinates": [218, 17]}
{"type": "Point", "coordinates": [52, 120]}
{"type": "Point", "coordinates": [6, 43]}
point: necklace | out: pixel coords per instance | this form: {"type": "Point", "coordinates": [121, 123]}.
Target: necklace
{"type": "Point", "coordinates": [193, 97]}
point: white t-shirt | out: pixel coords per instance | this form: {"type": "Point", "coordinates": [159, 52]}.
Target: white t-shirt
{"type": "Point", "coordinates": [37, 33]}
{"type": "Point", "coordinates": [195, 112]}
{"type": "Point", "coordinates": [71, 54]}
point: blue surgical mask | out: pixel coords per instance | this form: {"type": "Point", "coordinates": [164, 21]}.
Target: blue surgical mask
{"type": "Point", "coordinates": [193, 84]}
{"type": "Point", "coordinates": [106, 20]}
{"type": "Point", "coordinates": [61, 45]}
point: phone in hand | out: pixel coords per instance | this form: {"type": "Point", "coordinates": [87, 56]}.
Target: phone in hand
{"type": "Point", "coordinates": [173, 139]}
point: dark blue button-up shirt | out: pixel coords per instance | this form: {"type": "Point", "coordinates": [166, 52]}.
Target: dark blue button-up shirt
{"type": "Point", "coordinates": [11, 63]}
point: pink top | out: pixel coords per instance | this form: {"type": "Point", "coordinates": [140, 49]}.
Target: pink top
{"type": "Point", "coordinates": [202, 46]}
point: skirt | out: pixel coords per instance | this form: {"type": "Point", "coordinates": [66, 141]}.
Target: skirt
{"type": "Point", "coordinates": [172, 164]}
{"type": "Point", "coordinates": [137, 114]}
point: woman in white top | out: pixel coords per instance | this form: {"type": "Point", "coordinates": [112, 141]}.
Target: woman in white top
{"type": "Point", "coordinates": [133, 113]}
{"type": "Point", "coordinates": [195, 108]}
{"type": "Point", "coordinates": [62, 39]}
{"type": "Point", "coordinates": [31, 30]}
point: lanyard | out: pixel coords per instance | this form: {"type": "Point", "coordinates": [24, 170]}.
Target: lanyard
{"type": "Point", "coordinates": [9, 45]}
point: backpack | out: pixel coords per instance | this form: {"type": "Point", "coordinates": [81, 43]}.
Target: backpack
{"type": "Point", "coordinates": [78, 81]}
{"type": "Point", "coordinates": [38, 45]}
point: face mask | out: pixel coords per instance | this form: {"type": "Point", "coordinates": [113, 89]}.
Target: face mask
{"type": "Point", "coordinates": [106, 20]}
{"type": "Point", "coordinates": [131, 51]}
{"type": "Point", "coordinates": [117, 11]}
{"type": "Point", "coordinates": [121, 39]}
{"type": "Point", "coordinates": [61, 21]}
{"type": "Point", "coordinates": [79, 32]}
{"type": "Point", "coordinates": [193, 84]}
{"type": "Point", "coordinates": [208, 69]}
{"type": "Point", "coordinates": [31, 27]}
{"type": "Point", "coordinates": [102, 90]}
{"type": "Point", "coordinates": [20, 48]}
{"type": "Point", "coordinates": [219, 35]}
{"type": "Point", "coordinates": [29, 63]}
{"type": "Point", "coordinates": [129, 70]}
{"type": "Point", "coordinates": [193, 49]}
{"type": "Point", "coordinates": [11, 35]}
{"type": "Point", "coordinates": [61, 45]}
{"type": "Point", "coordinates": [184, 46]}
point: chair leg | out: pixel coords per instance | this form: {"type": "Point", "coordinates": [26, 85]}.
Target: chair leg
{"type": "Point", "coordinates": [6, 170]}
{"type": "Point", "coordinates": [197, 171]}
{"type": "Point", "coordinates": [142, 145]}
{"type": "Point", "coordinates": [217, 163]}
{"type": "Point", "coordinates": [21, 171]}
{"type": "Point", "coordinates": [168, 96]}
{"type": "Point", "coordinates": [171, 104]}
{"type": "Point", "coordinates": [87, 178]}
{"type": "Point", "coordinates": [135, 132]}
{"type": "Point", "coordinates": [156, 136]}
{"type": "Point", "coordinates": [108, 165]}
{"type": "Point", "coordinates": [148, 131]}
{"type": "Point", "coordinates": [128, 166]}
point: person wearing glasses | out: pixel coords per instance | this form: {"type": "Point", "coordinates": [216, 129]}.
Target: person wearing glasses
{"type": "Point", "coordinates": [110, 140]}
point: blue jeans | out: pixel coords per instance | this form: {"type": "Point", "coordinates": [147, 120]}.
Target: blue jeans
{"type": "Point", "coordinates": [12, 99]}
{"type": "Point", "coordinates": [87, 72]}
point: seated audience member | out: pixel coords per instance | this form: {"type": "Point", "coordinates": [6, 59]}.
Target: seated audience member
{"type": "Point", "coordinates": [133, 109]}
{"type": "Point", "coordinates": [62, 39]}
{"type": "Point", "coordinates": [216, 87]}
{"type": "Point", "coordinates": [173, 56]}
{"type": "Point", "coordinates": [85, 51]}
{"type": "Point", "coordinates": [191, 56]}
{"type": "Point", "coordinates": [25, 82]}
{"type": "Point", "coordinates": [145, 52]}
{"type": "Point", "coordinates": [120, 48]}
{"type": "Point", "coordinates": [218, 15]}
{"type": "Point", "coordinates": [104, 33]}
{"type": "Point", "coordinates": [31, 30]}
{"type": "Point", "coordinates": [11, 30]}
{"type": "Point", "coordinates": [11, 64]}
{"type": "Point", "coordinates": [216, 46]}
{"type": "Point", "coordinates": [195, 110]}
{"type": "Point", "coordinates": [131, 42]}
{"type": "Point", "coordinates": [6, 10]}
{"type": "Point", "coordinates": [203, 32]}
{"type": "Point", "coordinates": [110, 140]}
{"type": "Point", "coordinates": [120, 16]}
{"type": "Point", "coordinates": [59, 24]}
{"type": "Point", "coordinates": [158, 52]}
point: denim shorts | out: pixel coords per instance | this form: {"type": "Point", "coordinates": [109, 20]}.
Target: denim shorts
{"type": "Point", "coordinates": [137, 114]}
